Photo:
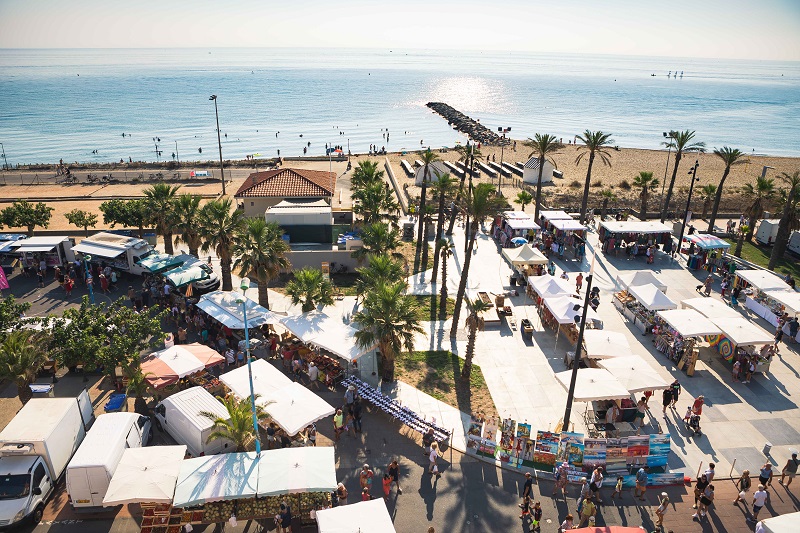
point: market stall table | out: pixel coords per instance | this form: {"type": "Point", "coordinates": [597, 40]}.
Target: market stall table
{"type": "Point", "coordinates": [559, 313]}
{"type": "Point", "coordinates": [640, 302]}
{"type": "Point", "coordinates": [332, 334]}
{"type": "Point", "coordinates": [701, 249]}
{"type": "Point", "coordinates": [548, 286]}
{"type": "Point", "coordinates": [677, 334]}
{"type": "Point", "coordinates": [361, 517]}
{"type": "Point", "coordinates": [739, 334]}
{"type": "Point", "coordinates": [614, 234]}
{"type": "Point", "coordinates": [145, 475]}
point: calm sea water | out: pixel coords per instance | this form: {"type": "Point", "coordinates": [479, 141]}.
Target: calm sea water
{"type": "Point", "coordinates": [67, 103]}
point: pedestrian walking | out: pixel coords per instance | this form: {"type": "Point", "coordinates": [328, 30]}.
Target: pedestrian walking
{"type": "Point", "coordinates": [284, 519]}
{"type": "Point", "coordinates": [350, 397]}
{"type": "Point", "coordinates": [618, 488]}
{"type": "Point", "coordinates": [710, 472]}
{"type": "Point", "coordinates": [790, 470]}
{"type": "Point", "coordinates": [699, 487]}
{"type": "Point", "coordinates": [641, 483]}
{"type": "Point", "coordinates": [566, 525]}
{"type": "Point", "coordinates": [313, 376]}
{"type": "Point", "coordinates": [641, 407]}
{"type": "Point", "coordinates": [663, 505]}
{"type": "Point", "coordinates": [666, 399]}
{"type": "Point", "coordinates": [338, 423]}
{"type": "Point", "coordinates": [526, 507]}
{"type": "Point", "coordinates": [778, 335]}
{"type": "Point", "coordinates": [697, 406]}
{"type": "Point", "coordinates": [394, 472]}
{"type": "Point", "coordinates": [433, 457]}
{"type": "Point", "coordinates": [707, 284]}
{"type": "Point", "coordinates": [737, 367]}
{"type": "Point", "coordinates": [365, 477]}
{"type": "Point", "coordinates": [537, 516]}
{"type": "Point", "coordinates": [68, 285]}
{"type": "Point", "coordinates": [40, 278]}
{"type": "Point", "coordinates": [735, 295]}
{"type": "Point", "coordinates": [706, 499]}
{"type": "Point", "coordinates": [579, 282]}
{"type": "Point", "coordinates": [765, 475]}
{"type": "Point", "coordinates": [743, 484]}
{"type": "Point", "coordinates": [676, 392]}
{"type": "Point", "coordinates": [585, 494]}
{"type": "Point", "coordinates": [527, 488]}
{"type": "Point", "coordinates": [357, 414]}
{"type": "Point", "coordinates": [723, 287]}
{"type": "Point", "coordinates": [387, 485]}
{"type": "Point", "coordinates": [596, 483]}
{"type": "Point", "coordinates": [341, 494]}
{"type": "Point", "coordinates": [588, 513]}
{"type": "Point", "coordinates": [760, 498]}
{"type": "Point", "coordinates": [560, 475]}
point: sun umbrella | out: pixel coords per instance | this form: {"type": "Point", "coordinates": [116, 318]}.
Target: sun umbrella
{"type": "Point", "coordinates": [519, 241]}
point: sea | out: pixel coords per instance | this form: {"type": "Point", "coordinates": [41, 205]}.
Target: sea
{"type": "Point", "coordinates": [103, 105]}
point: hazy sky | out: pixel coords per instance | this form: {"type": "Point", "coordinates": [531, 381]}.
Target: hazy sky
{"type": "Point", "coordinates": [747, 29]}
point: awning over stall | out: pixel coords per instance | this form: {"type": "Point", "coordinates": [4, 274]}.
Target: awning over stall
{"type": "Point", "coordinates": [567, 225]}
{"type": "Point", "coordinates": [524, 255]}
{"type": "Point", "coordinates": [707, 242]}
{"type": "Point", "coordinates": [361, 517]}
{"type": "Point", "coordinates": [710, 308]}
{"type": "Point", "coordinates": [171, 364]}
{"type": "Point", "coordinates": [548, 286]}
{"type": "Point", "coordinates": [554, 215]}
{"type": "Point", "coordinates": [332, 334]}
{"type": "Point", "coordinates": [742, 332]}
{"type": "Point", "coordinates": [604, 344]}
{"type": "Point", "coordinates": [522, 224]}
{"type": "Point", "coordinates": [296, 470]}
{"type": "Point", "coordinates": [157, 263]}
{"type": "Point", "coordinates": [635, 226]}
{"type": "Point", "coordinates": [213, 478]}
{"type": "Point", "coordinates": [145, 475]}
{"type": "Point", "coordinates": [764, 280]}
{"type": "Point", "coordinates": [222, 306]}
{"type": "Point", "coordinates": [789, 299]}
{"type": "Point", "coordinates": [640, 277]}
{"type": "Point", "coordinates": [593, 384]}
{"type": "Point", "coordinates": [634, 373]}
{"type": "Point", "coordinates": [651, 298]}
{"type": "Point", "coordinates": [563, 310]}
{"type": "Point", "coordinates": [97, 250]}
{"type": "Point", "coordinates": [689, 323]}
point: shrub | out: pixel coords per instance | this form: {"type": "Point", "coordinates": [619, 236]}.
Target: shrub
{"type": "Point", "coordinates": [624, 184]}
{"type": "Point", "coordinates": [575, 184]}
{"type": "Point", "coordinates": [597, 183]}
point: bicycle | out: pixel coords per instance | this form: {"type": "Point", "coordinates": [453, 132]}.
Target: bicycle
{"type": "Point", "coordinates": [91, 178]}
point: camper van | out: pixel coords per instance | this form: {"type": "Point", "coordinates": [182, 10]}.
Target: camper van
{"type": "Point", "coordinates": [120, 252]}
{"type": "Point", "coordinates": [767, 231]}
{"type": "Point", "coordinates": [179, 415]}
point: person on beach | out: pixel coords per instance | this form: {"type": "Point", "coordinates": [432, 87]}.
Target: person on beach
{"type": "Point", "coordinates": [743, 484]}
{"type": "Point", "coordinates": [760, 498]}
{"type": "Point", "coordinates": [790, 470]}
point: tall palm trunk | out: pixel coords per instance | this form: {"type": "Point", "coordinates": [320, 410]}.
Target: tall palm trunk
{"type": "Point", "coordinates": [225, 263]}
{"type": "Point", "coordinates": [706, 205]}
{"type": "Point", "coordinates": [739, 242]}
{"type": "Point", "coordinates": [24, 391]}
{"type": "Point", "coordinates": [421, 239]}
{"type": "Point", "coordinates": [539, 190]}
{"type": "Point", "coordinates": [717, 200]}
{"type": "Point", "coordinates": [668, 197]}
{"type": "Point", "coordinates": [425, 248]}
{"type": "Point", "coordinates": [585, 201]}
{"type": "Point", "coordinates": [439, 228]}
{"type": "Point", "coordinates": [458, 198]}
{"type": "Point", "coordinates": [751, 229]}
{"type": "Point", "coordinates": [168, 248]}
{"type": "Point", "coordinates": [782, 238]}
{"type": "Point", "coordinates": [443, 292]}
{"type": "Point", "coordinates": [605, 208]}
{"type": "Point", "coordinates": [643, 212]}
{"type": "Point", "coordinates": [466, 371]}
{"type": "Point", "coordinates": [462, 285]}
{"type": "Point", "coordinates": [263, 292]}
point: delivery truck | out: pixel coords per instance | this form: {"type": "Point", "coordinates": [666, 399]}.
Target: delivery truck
{"type": "Point", "coordinates": [93, 465]}
{"type": "Point", "coordinates": [180, 416]}
{"type": "Point", "coordinates": [120, 252]}
{"type": "Point", "coordinates": [35, 448]}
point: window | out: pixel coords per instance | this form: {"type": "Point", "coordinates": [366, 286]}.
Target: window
{"type": "Point", "coordinates": [38, 475]}
{"type": "Point", "coordinates": [252, 204]}
{"type": "Point", "coordinates": [142, 421]}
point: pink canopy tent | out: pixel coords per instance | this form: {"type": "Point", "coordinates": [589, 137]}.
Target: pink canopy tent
{"type": "Point", "coordinates": [168, 366]}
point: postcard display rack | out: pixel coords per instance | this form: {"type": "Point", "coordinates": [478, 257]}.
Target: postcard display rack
{"type": "Point", "coordinates": [515, 445]}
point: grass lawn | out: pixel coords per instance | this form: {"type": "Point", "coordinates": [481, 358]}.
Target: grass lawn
{"type": "Point", "coordinates": [759, 255]}
{"type": "Point", "coordinates": [438, 373]}
{"type": "Point", "coordinates": [429, 307]}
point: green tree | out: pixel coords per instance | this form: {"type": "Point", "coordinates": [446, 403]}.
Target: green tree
{"type": "Point", "coordinates": [219, 224]}
{"type": "Point", "coordinates": [365, 174]}
{"type": "Point", "coordinates": [421, 254]}
{"type": "Point", "coordinates": [20, 361]}
{"type": "Point", "coordinates": [309, 288]}
{"type": "Point", "coordinates": [467, 155]}
{"type": "Point", "coordinates": [160, 200]}
{"type": "Point", "coordinates": [375, 203]}
{"type": "Point", "coordinates": [187, 221]}
{"type": "Point", "coordinates": [238, 427]}
{"type": "Point", "coordinates": [137, 387]}
{"type": "Point", "coordinates": [595, 144]}
{"type": "Point", "coordinates": [707, 193]}
{"type": "Point", "coordinates": [647, 184]}
{"type": "Point", "coordinates": [789, 216]}
{"type": "Point", "coordinates": [443, 187]}
{"type": "Point", "coordinates": [126, 213]}
{"type": "Point", "coordinates": [82, 219]}
{"type": "Point", "coordinates": [11, 313]}
{"type": "Point", "coordinates": [730, 157]}
{"type": "Point", "coordinates": [380, 269]}
{"type": "Point", "coordinates": [542, 146]}
{"type": "Point", "coordinates": [378, 239]}
{"type": "Point", "coordinates": [261, 251]}
{"type": "Point", "coordinates": [481, 203]}
{"type": "Point", "coordinates": [523, 198]}
{"type": "Point", "coordinates": [446, 250]}
{"type": "Point", "coordinates": [608, 196]}
{"type": "Point", "coordinates": [682, 142]}
{"type": "Point", "coordinates": [388, 320]}
{"type": "Point", "coordinates": [762, 191]}
{"type": "Point", "coordinates": [23, 214]}
{"type": "Point", "coordinates": [474, 324]}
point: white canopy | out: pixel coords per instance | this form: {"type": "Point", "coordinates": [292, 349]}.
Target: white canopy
{"type": "Point", "coordinates": [742, 332]}
{"type": "Point", "coordinates": [785, 523]}
{"type": "Point", "coordinates": [171, 364]}
{"type": "Point", "coordinates": [361, 517]}
{"type": "Point", "coordinates": [214, 478]}
{"type": "Point", "coordinates": [651, 298]}
{"type": "Point", "coordinates": [710, 308]}
{"type": "Point", "coordinates": [38, 244]}
{"type": "Point", "coordinates": [547, 286]}
{"type": "Point", "coordinates": [789, 299]}
{"type": "Point", "coordinates": [293, 470]}
{"type": "Point", "coordinates": [635, 226]}
{"type": "Point", "coordinates": [634, 373]}
{"type": "Point", "coordinates": [522, 223]}
{"type": "Point", "coordinates": [223, 307]}
{"type": "Point", "coordinates": [708, 242]}
{"type": "Point", "coordinates": [764, 280]}
{"type": "Point", "coordinates": [266, 379]}
{"type": "Point", "coordinates": [640, 277]}
{"type": "Point", "coordinates": [603, 344]}
{"type": "Point", "coordinates": [689, 323]}
{"type": "Point", "coordinates": [327, 332]}
{"type": "Point", "coordinates": [524, 255]}
{"type": "Point", "coordinates": [567, 225]}
{"type": "Point", "coordinates": [554, 215]}
{"type": "Point", "coordinates": [145, 475]}
{"type": "Point", "coordinates": [594, 384]}
{"type": "Point", "coordinates": [294, 407]}
{"type": "Point", "coordinates": [562, 308]}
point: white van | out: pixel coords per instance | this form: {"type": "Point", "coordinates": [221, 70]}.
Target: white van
{"type": "Point", "coordinates": [179, 415]}
{"type": "Point", "coordinates": [118, 251]}
{"type": "Point", "coordinates": [93, 465]}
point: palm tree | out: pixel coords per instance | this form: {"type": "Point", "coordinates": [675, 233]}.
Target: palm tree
{"type": "Point", "coordinates": [160, 200]}
{"type": "Point", "coordinates": [481, 203]}
{"type": "Point", "coordinates": [446, 250]}
{"type": "Point", "coordinates": [187, 218]}
{"type": "Point", "coordinates": [238, 427]}
{"type": "Point", "coordinates": [647, 183]}
{"type": "Point", "coordinates": [467, 155]}
{"type": "Point", "coordinates": [375, 202]}
{"type": "Point", "coordinates": [743, 229]}
{"type": "Point", "coordinates": [608, 196]}
{"type": "Point", "coordinates": [442, 187]}
{"type": "Point", "coordinates": [137, 387]}
{"type": "Point", "coordinates": [542, 145]}
{"type": "Point", "coordinates": [731, 157]}
{"type": "Point", "coordinates": [763, 190]}
{"type": "Point", "coordinates": [389, 320]}
{"type": "Point", "coordinates": [366, 173]}
{"type": "Point", "coordinates": [380, 269]}
{"type": "Point", "coordinates": [219, 225]}
{"type": "Point", "coordinates": [595, 143]}
{"type": "Point", "coordinates": [707, 193]}
{"type": "Point", "coordinates": [310, 289]}
{"type": "Point", "coordinates": [523, 198]}
{"type": "Point", "coordinates": [378, 239]}
{"type": "Point", "coordinates": [260, 250]}
{"type": "Point", "coordinates": [21, 358]}
{"type": "Point", "coordinates": [428, 157]}
{"type": "Point", "coordinates": [681, 142]}
{"type": "Point", "coordinates": [789, 218]}
{"type": "Point", "coordinates": [474, 323]}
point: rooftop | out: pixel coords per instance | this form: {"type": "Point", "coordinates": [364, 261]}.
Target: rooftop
{"type": "Point", "coordinates": [288, 183]}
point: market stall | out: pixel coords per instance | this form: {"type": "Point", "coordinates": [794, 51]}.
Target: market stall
{"type": "Point", "coordinates": [787, 302]}
{"type": "Point", "coordinates": [526, 261]}
{"type": "Point", "coordinates": [559, 313]}
{"type": "Point", "coordinates": [640, 303]}
{"type": "Point", "coordinates": [593, 384]}
{"type": "Point", "coordinates": [547, 287]}
{"type": "Point", "coordinates": [512, 225]}
{"type": "Point", "coordinates": [158, 263]}
{"type": "Point", "coordinates": [167, 366]}
{"type": "Point", "coordinates": [296, 470]}
{"type": "Point", "coordinates": [145, 475]}
{"type": "Point", "coordinates": [634, 236]}
{"type": "Point", "coordinates": [566, 235]}
{"type": "Point", "coordinates": [600, 344]}
{"type": "Point", "coordinates": [362, 517]}
{"type": "Point", "coordinates": [767, 294]}
{"type": "Point", "coordinates": [213, 478]}
{"type": "Point", "coordinates": [55, 251]}
{"type": "Point", "coordinates": [704, 250]}
{"type": "Point", "coordinates": [329, 333]}
{"type": "Point", "coordinates": [744, 341]}
{"type": "Point", "coordinates": [677, 332]}
{"type": "Point", "coordinates": [223, 307]}
{"type": "Point", "coordinates": [710, 308]}
{"type": "Point", "coordinates": [634, 373]}
{"type": "Point", "coordinates": [640, 277]}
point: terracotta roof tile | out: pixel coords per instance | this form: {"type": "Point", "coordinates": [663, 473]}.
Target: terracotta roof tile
{"type": "Point", "coordinates": [288, 183]}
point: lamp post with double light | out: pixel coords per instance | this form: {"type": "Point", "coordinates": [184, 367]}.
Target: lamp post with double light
{"type": "Point", "coordinates": [503, 132]}
{"type": "Point", "coordinates": [242, 300]}
{"type": "Point", "coordinates": [693, 174]}
{"type": "Point", "coordinates": [219, 143]}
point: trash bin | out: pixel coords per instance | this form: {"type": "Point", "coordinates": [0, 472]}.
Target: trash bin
{"type": "Point", "coordinates": [116, 403]}
{"type": "Point", "coordinates": [767, 448]}
{"type": "Point", "coordinates": [42, 390]}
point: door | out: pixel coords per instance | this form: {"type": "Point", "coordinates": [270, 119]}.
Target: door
{"type": "Point", "coordinates": [98, 484]}
{"type": "Point", "coordinates": [134, 439]}
{"type": "Point", "coordinates": [79, 488]}
{"type": "Point", "coordinates": [42, 480]}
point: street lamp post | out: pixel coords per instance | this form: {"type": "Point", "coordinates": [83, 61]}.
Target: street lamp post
{"type": "Point", "coordinates": [89, 281]}
{"type": "Point", "coordinates": [503, 132]}
{"type": "Point", "coordinates": [666, 168]}
{"type": "Point", "coordinates": [219, 143]}
{"type": "Point", "coordinates": [693, 174]}
{"type": "Point", "coordinates": [243, 301]}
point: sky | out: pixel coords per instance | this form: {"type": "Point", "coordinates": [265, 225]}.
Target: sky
{"type": "Point", "coordinates": [729, 29]}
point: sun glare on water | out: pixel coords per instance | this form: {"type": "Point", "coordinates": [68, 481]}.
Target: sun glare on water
{"type": "Point", "coordinates": [471, 94]}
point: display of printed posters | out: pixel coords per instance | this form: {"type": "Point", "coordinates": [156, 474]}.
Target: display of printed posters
{"type": "Point", "coordinates": [519, 447]}
{"type": "Point", "coordinates": [488, 447]}
{"type": "Point", "coordinates": [574, 475]}
{"type": "Point", "coordinates": [594, 453]}
{"type": "Point", "coordinates": [659, 450]}
{"type": "Point", "coordinates": [490, 429]}
{"type": "Point", "coordinates": [524, 431]}
{"type": "Point", "coordinates": [616, 456]}
{"type": "Point", "coordinates": [508, 426]}
{"type": "Point", "coordinates": [475, 426]}
{"type": "Point", "coordinates": [546, 447]}
{"type": "Point", "coordinates": [507, 431]}
{"type": "Point", "coordinates": [527, 455]}
{"type": "Point", "coordinates": [504, 455]}
{"type": "Point", "coordinates": [638, 450]}
{"type": "Point", "coordinates": [570, 448]}
{"type": "Point", "coordinates": [473, 443]}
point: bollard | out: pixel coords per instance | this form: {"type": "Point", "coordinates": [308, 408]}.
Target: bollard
{"type": "Point", "coordinates": [732, 467]}
{"type": "Point", "coordinates": [698, 470]}
{"type": "Point", "coordinates": [767, 448]}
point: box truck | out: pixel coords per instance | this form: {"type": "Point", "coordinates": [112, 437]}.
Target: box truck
{"type": "Point", "coordinates": [794, 243]}
{"type": "Point", "coordinates": [120, 252]}
{"type": "Point", "coordinates": [179, 415]}
{"type": "Point", "coordinates": [35, 448]}
{"type": "Point", "coordinates": [93, 465]}
{"type": "Point", "coordinates": [767, 231]}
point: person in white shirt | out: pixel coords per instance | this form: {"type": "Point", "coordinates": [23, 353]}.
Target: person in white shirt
{"type": "Point", "coordinates": [313, 375]}
{"type": "Point", "coordinates": [596, 483]}
{"type": "Point", "coordinates": [759, 501]}
{"type": "Point", "coordinates": [710, 472]}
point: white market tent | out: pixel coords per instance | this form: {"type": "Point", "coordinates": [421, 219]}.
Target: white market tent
{"type": "Point", "coordinates": [634, 373]}
{"type": "Point", "coordinates": [361, 517]}
{"type": "Point", "coordinates": [594, 384]}
{"type": "Point", "coordinates": [742, 332]}
{"type": "Point", "coordinates": [522, 224]}
{"type": "Point", "coordinates": [789, 299]}
{"type": "Point", "coordinates": [171, 364]}
{"type": "Point", "coordinates": [708, 242]}
{"type": "Point", "coordinates": [332, 334]}
{"type": "Point", "coordinates": [294, 407]}
{"type": "Point", "coordinates": [145, 475]}
{"type": "Point", "coordinates": [548, 286]}
{"type": "Point", "coordinates": [640, 277]}
{"type": "Point", "coordinates": [710, 308]}
{"type": "Point", "coordinates": [562, 308]}
{"type": "Point", "coordinates": [524, 255]}
{"type": "Point", "coordinates": [603, 344]}
{"type": "Point", "coordinates": [764, 280]}
{"type": "Point", "coordinates": [567, 225]}
{"type": "Point", "coordinates": [635, 226]}
{"type": "Point", "coordinates": [651, 298]}
{"type": "Point", "coordinates": [213, 478]}
{"type": "Point", "coordinates": [38, 244]}
{"type": "Point", "coordinates": [266, 379]}
{"type": "Point", "coordinates": [294, 470]}
{"type": "Point", "coordinates": [689, 323]}
{"type": "Point", "coordinates": [223, 308]}
{"type": "Point", "coordinates": [785, 523]}
{"type": "Point", "coordinates": [554, 215]}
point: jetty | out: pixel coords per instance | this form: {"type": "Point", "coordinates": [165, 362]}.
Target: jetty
{"type": "Point", "coordinates": [469, 126]}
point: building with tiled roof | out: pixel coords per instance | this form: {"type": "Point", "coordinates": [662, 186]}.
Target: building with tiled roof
{"type": "Point", "coordinates": [262, 190]}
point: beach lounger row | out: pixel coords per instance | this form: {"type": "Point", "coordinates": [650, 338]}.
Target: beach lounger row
{"type": "Point", "coordinates": [407, 167]}
{"type": "Point", "coordinates": [454, 169]}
